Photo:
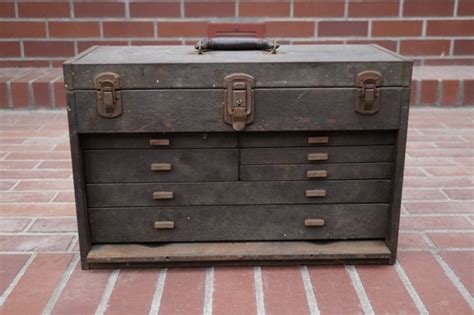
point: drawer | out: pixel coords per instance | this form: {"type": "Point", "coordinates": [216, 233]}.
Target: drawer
{"type": "Point", "coordinates": [304, 139]}
{"type": "Point", "coordinates": [238, 193]}
{"type": "Point", "coordinates": [346, 154]}
{"type": "Point", "coordinates": [174, 165]}
{"type": "Point", "coordinates": [316, 172]}
{"type": "Point", "coordinates": [160, 140]}
{"type": "Point", "coordinates": [238, 223]}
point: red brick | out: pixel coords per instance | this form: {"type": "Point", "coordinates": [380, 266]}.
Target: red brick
{"type": "Point", "coordinates": [343, 28]}
{"type": "Point", "coordinates": [450, 91]}
{"type": "Point", "coordinates": [37, 284]}
{"type": "Point", "coordinates": [433, 182]}
{"type": "Point", "coordinates": [449, 62]}
{"type": "Point", "coordinates": [22, 29]}
{"type": "Point", "coordinates": [461, 263]}
{"type": "Point", "coordinates": [154, 9]}
{"type": "Point", "coordinates": [99, 9]}
{"type": "Point", "coordinates": [49, 49]}
{"type": "Point", "coordinates": [10, 49]}
{"type": "Point", "coordinates": [451, 171]}
{"type": "Point", "coordinates": [428, 7]}
{"type": "Point", "coordinates": [389, 44]}
{"type": "Point", "coordinates": [236, 29]}
{"type": "Point", "coordinates": [214, 8]}
{"type": "Point", "coordinates": [412, 241]}
{"type": "Point", "coordinates": [11, 265]}
{"type": "Point", "coordinates": [414, 92]}
{"type": "Point", "coordinates": [43, 9]}
{"type": "Point", "coordinates": [35, 174]}
{"type": "Point", "coordinates": [128, 29]}
{"type": "Point", "coordinates": [64, 197]}
{"type": "Point", "coordinates": [22, 63]}
{"type": "Point", "coordinates": [450, 28]}
{"type": "Point", "coordinates": [449, 240]}
{"type": "Point", "coordinates": [439, 207]}
{"type": "Point", "coordinates": [54, 225]}
{"type": "Point", "coordinates": [8, 197]}
{"type": "Point", "coordinates": [42, 90]}
{"type": "Point", "coordinates": [465, 7]}
{"type": "Point", "coordinates": [55, 165]}
{"type": "Point", "coordinates": [41, 209]}
{"type": "Point", "coordinates": [396, 28]}
{"type": "Point", "coordinates": [182, 29]}
{"type": "Point", "coordinates": [7, 9]}
{"type": "Point", "coordinates": [424, 47]}
{"type": "Point", "coordinates": [79, 295]}
{"type": "Point", "coordinates": [418, 194]}
{"type": "Point", "coordinates": [463, 47]}
{"type": "Point", "coordinates": [432, 285]}
{"type": "Point", "coordinates": [74, 29]}
{"type": "Point", "coordinates": [234, 291]}
{"type": "Point", "coordinates": [335, 293]}
{"type": "Point", "coordinates": [385, 290]}
{"type": "Point", "coordinates": [133, 292]}
{"type": "Point", "coordinates": [56, 185]}
{"type": "Point", "coordinates": [19, 89]}
{"type": "Point", "coordinates": [264, 9]}
{"type": "Point", "coordinates": [468, 92]}
{"type": "Point", "coordinates": [59, 94]}
{"type": "Point", "coordinates": [184, 291]}
{"type": "Point", "coordinates": [368, 8]}
{"type": "Point", "coordinates": [38, 243]}
{"type": "Point", "coordinates": [83, 45]}
{"type": "Point", "coordinates": [289, 29]}
{"type": "Point", "coordinates": [155, 42]}
{"type": "Point", "coordinates": [6, 185]}
{"type": "Point", "coordinates": [283, 291]}
{"type": "Point", "coordinates": [319, 42]}
{"type": "Point", "coordinates": [13, 225]}
{"type": "Point", "coordinates": [318, 8]}
{"type": "Point", "coordinates": [434, 223]}
{"type": "Point", "coordinates": [429, 92]}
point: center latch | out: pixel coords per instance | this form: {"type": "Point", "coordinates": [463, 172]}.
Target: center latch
{"type": "Point", "coordinates": [109, 102]}
{"type": "Point", "coordinates": [368, 98]}
{"type": "Point", "coordinates": [239, 100]}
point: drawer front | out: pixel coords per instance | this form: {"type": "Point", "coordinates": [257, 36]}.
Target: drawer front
{"type": "Point", "coordinates": [238, 193]}
{"type": "Point", "coordinates": [159, 140]}
{"type": "Point", "coordinates": [316, 171]}
{"type": "Point", "coordinates": [238, 223]}
{"type": "Point", "coordinates": [305, 139]}
{"type": "Point", "coordinates": [174, 165]}
{"type": "Point", "coordinates": [347, 154]}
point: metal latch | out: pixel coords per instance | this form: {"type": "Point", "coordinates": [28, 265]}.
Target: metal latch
{"type": "Point", "coordinates": [109, 101]}
{"type": "Point", "coordinates": [368, 95]}
{"type": "Point", "coordinates": [239, 100]}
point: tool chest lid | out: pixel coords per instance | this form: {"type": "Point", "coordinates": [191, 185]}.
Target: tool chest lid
{"type": "Point", "coordinates": [164, 67]}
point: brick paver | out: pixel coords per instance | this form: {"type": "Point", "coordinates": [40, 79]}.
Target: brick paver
{"type": "Point", "coordinates": [39, 271]}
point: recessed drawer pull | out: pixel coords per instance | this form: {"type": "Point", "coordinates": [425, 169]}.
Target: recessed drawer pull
{"type": "Point", "coordinates": [160, 225]}
{"type": "Point", "coordinates": [318, 140]}
{"type": "Point", "coordinates": [163, 195]}
{"type": "Point", "coordinates": [316, 193]}
{"type": "Point", "coordinates": [314, 222]}
{"type": "Point", "coordinates": [317, 156]}
{"type": "Point", "coordinates": [157, 167]}
{"type": "Point", "coordinates": [160, 142]}
{"type": "Point", "coordinates": [316, 174]}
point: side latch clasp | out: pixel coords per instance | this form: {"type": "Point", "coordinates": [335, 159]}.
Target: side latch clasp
{"type": "Point", "coordinates": [239, 100]}
{"type": "Point", "coordinates": [368, 95]}
{"type": "Point", "coordinates": [109, 101]}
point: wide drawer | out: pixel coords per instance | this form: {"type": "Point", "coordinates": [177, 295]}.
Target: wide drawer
{"type": "Point", "coordinates": [174, 165]}
{"type": "Point", "coordinates": [346, 154]}
{"type": "Point", "coordinates": [238, 193]}
{"type": "Point", "coordinates": [238, 223]}
{"type": "Point", "coordinates": [316, 171]}
{"type": "Point", "coordinates": [159, 140]}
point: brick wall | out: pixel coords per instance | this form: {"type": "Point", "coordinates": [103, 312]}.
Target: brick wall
{"type": "Point", "coordinates": [432, 32]}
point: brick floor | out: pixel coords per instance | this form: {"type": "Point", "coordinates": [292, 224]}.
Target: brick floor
{"type": "Point", "coordinates": [39, 270]}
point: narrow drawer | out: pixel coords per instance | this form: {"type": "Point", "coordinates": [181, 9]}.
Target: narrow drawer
{"type": "Point", "coordinates": [238, 193]}
{"type": "Point", "coordinates": [316, 171]}
{"type": "Point", "coordinates": [303, 139]}
{"type": "Point", "coordinates": [347, 154]}
{"type": "Point", "coordinates": [175, 165]}
{"type": "Point", "coordinates": [238, 223]}
{"type": "Point", "coordinates": [160, 140]}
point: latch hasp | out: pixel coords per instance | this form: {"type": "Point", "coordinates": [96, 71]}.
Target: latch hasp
{"type": "Point", "coordinates": [109, 100]}
{"type": "Point", "coordinates": [368, 94]}
{"type": "Point", "coordinates": [239, 100]}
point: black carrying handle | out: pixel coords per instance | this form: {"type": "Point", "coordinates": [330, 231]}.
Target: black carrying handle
{"type": "Point", "coordinates": [236, 43]}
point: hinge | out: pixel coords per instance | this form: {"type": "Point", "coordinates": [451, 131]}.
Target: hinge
{"type": "Point", "coordinates": [368, 94]}
{"type": "Point", "coordinates": [239, 99]}
{"type": "Point", "coordinates": [109, 101]}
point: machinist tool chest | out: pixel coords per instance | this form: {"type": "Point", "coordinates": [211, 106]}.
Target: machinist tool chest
{"type": "Point", "coordinates": [231, 154]}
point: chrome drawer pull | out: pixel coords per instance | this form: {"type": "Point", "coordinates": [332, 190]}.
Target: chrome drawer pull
{"type": "Point", "coordinates": [316, 193]}
{"type": "Point", "coordinates": [163, 195]}
{"type": "Point", "coordinates": [318, 140]}
{"type": "Point", "coordinates": [157, 167]}
{"type": "Point", "coordinates": [317, 156]}
{"type": "Point", "coordinates": [160, 142]}
{"type": "Point", "coordinates": [316, 174]}
{"type": "Point", "coordinates": [314, 222]}
{"type": "Point", "coordinates": [159, 225]}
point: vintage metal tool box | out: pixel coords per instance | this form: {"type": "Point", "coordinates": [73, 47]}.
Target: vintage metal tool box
{"type": "Point", "coordinates": [226, 157]}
